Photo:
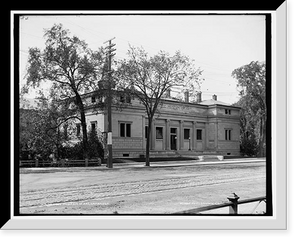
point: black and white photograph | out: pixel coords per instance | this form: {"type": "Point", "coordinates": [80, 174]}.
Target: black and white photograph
{"type": "Point", "coordinates": [143, 114]}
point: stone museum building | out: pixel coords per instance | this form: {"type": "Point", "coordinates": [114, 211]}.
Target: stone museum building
{"type": "Point", "coordinates": [179, 127]}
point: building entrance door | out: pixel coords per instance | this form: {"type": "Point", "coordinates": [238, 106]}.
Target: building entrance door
{"type": "Point", "coordinates": [173, 138]}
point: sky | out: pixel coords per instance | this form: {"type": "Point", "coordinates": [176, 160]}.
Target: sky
{"type": "Point", "coordinates": [218, 44]}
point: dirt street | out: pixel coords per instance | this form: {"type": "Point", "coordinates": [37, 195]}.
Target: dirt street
{"type": "Point", "coordinates": [137, 190]}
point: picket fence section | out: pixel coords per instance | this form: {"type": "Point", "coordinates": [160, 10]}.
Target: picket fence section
{"type": "Point", "coordinates": [61, 163]}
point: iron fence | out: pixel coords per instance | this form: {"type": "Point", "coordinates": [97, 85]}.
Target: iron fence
{"type": "Point", "coordinates": [232, 205]}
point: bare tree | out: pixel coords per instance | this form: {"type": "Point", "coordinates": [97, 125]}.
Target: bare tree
{"type": "Point", "coordinates": [148, 78]}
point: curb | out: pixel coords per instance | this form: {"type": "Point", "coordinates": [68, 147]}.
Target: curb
{"type": "Point", "coordinates": [152, 165]}
{"type": "Point", "coordinates": [199, 162]}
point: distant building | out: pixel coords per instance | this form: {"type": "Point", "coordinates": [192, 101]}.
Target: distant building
{"type": "Point", "coordinates": [203, 127]}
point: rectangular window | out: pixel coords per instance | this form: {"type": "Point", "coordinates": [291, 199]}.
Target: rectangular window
{"type": "Point", "coordinates": [227, 134]}
{"type": "Point", "coordinates": [122, 98]}
{"type": "Point", "coordinates": [65, 131]}
{"type": "Point", "coordinates": [125, 99]}
{"type": "Point", "coordinates": [159, 133]}
{"type": "Point", "coordinates": [199, 134]}
{"type": "Point", "coordinates": [173, 130]}
{"type": "Point", "coordinates": [128, 99]}
{"type": "Point", "coordinates": [128, 130]}
{"type": "Point", "coordinates": [93, 125]}
{"type": "Point", "coordinates": [93, 99]}
{"type": "Point", "coordinates": [125, 129]}
{"type": "Point", "coordinates": [186, 134]}
{"type": "Point", "coordinates": [122, 129]}
{"type": "Point", "coordinates": [227, 111]}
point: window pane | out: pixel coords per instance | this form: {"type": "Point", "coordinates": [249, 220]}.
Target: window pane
{"type": "Point", "coordinates": [173, 130]}
{"type": "Point", "coordinates": [128, 99]}
{"type": "Point", "coordinates": [199, 134]}
{"type": "Point", "coordinates": [227, 134]}
{"type": "Point", "coordinates": [128, 130]}
{"type": "Point", "coordinates": [186, 133]}
{"type": "Point", "coordinates": [78, 129]}
{"type": "Point", "coordinates": [122, 129]}
{"type": "Point", "coordinates": [122, 98]}
{"type": "Point", "coordinates": [159, 133]}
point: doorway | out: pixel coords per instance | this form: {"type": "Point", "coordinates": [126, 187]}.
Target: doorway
{"type": "Point", "coordinates": [173, 138]}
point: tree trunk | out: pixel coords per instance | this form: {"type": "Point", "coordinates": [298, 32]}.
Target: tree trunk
{"type": "Point", "coordinates": [83, 125]}
{"type": "Point", "coordinates": [84, 135]}
{"type": "Point", "coordinates": [262, 137]}
{"type": "Point", "coordinates": [148, 142]}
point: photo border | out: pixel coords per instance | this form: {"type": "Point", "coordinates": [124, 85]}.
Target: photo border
{"type": "Point", "coordinates": [133, 222]}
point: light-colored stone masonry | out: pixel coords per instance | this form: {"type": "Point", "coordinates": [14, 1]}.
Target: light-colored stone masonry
{"type": "Point", "coordinates": [210, 116]}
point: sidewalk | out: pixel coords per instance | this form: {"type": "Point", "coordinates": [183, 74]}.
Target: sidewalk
{"type": "Point", "coordinates": [133, 164]}
{"type": "Point", "coordinates": [184, 163]}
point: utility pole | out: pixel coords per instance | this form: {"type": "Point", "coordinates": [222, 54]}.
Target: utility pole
{"type": "Point", "coordinates": [109, 55]}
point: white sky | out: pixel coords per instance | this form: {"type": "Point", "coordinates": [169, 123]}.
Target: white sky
{"type": "Point", "coordinates": [217, 43]}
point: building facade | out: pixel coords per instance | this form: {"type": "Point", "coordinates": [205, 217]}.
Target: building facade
{"type": "Point", "coordinates": [204, 127]}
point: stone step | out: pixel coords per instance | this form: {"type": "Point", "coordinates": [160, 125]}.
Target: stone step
{"type": "Point", "coordinates": [202, 156]}
{"type": "Point", "coordinates": [155, 154]}
{"type": "Point", "coordinates": [211, 157]}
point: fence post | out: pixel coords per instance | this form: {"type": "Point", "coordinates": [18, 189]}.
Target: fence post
{"type": "Point", "coordinates": [233, 209]}
{"type": "Point", "coordinates": [36, 162]}
{"type": "Point", "coordinates": [86, 162]}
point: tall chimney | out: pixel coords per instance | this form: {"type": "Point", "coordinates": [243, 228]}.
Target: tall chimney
{"type": "Point", "coordinates": [199, 97]}
{"type": "Point", "coordinates": [214, 97]}
{"type": "Point", "coordinates": [186, 96]}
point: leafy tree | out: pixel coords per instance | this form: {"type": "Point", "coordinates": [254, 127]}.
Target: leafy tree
{"type": "Point", "coordinates": [252, 84]}
{"type": "Point", "coordinates": [148, 78]}
{"type": "Point", "coordinates": [96, 149]}
{"type": "Point", "coordinates": [70, 67]}
{"type": "Point", "coordinates": [43, 128]}
{"type": "Point", "coordinates": [248, 140]}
